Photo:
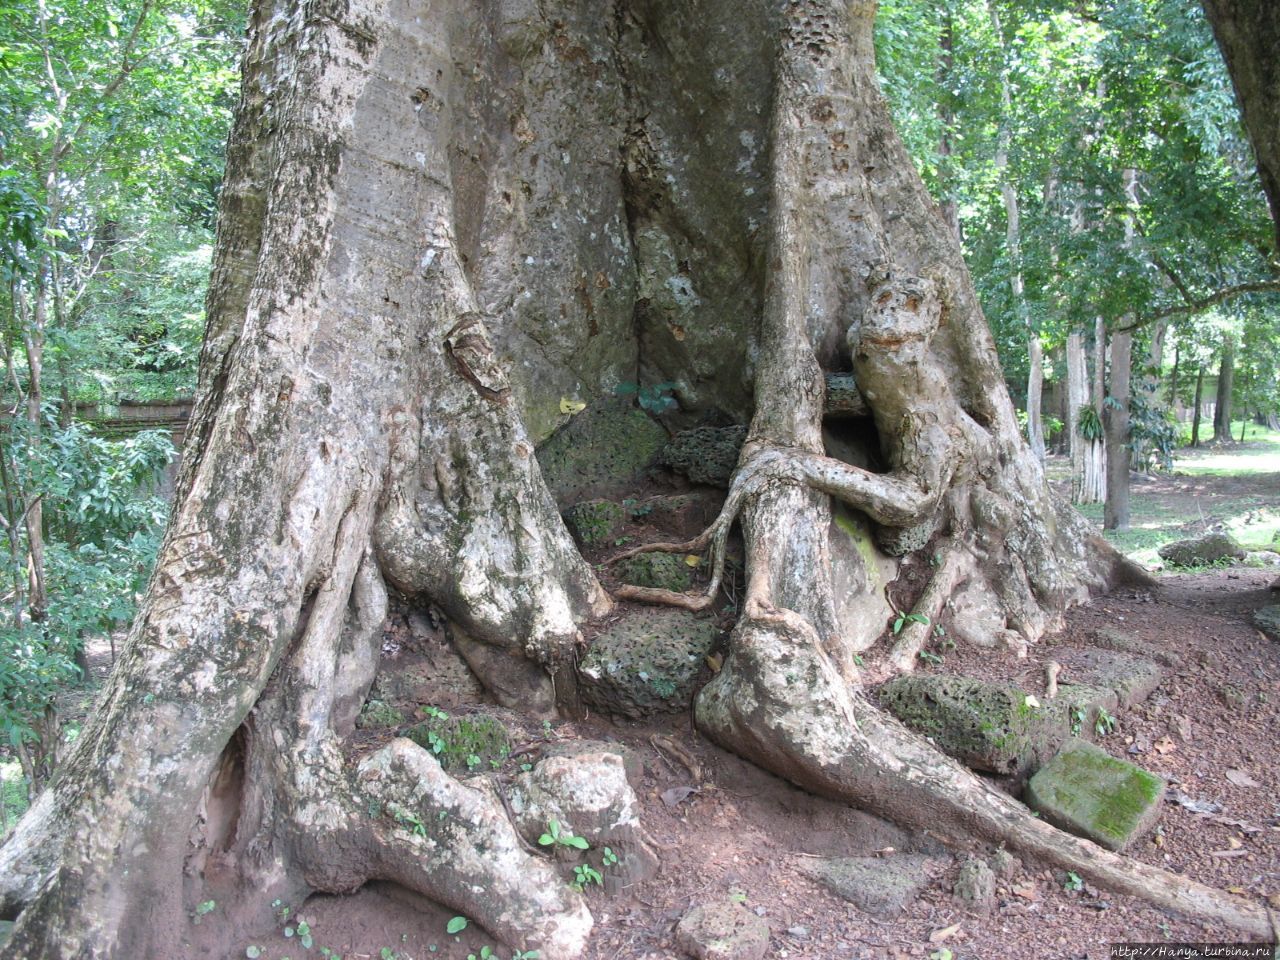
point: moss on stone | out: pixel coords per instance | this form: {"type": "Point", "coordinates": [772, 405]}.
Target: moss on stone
{"type": "Point", "coordinates": [987, 726]}
{"type": "Point", "coordinates": [705, 454]}
{"type": "Point", "coordinates": [1088, 792]}
{"type": "Point", "coordinates": [595, 523]}
{"type": "Point", "coordinates": [379, 713]}
{"type": "Point", "coordinates": [666, 571]}
{"type": "Point", "coordinates": [646, 663]}
{"type": "Point", "coordinates": [600, 451]}
{"type": "Point", "coordinates": [468, 743]}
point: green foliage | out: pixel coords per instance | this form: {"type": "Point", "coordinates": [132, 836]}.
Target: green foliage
{"type": "Point", "coordinates": [464, 742]}
{"type": "Point", "coordinates": [555, 837]}
{"type": "Point", "coordinates": [456, 925]}
{"type": "Point", "coordinates": [902, 619]}
{"type": "Point", "coordinates": [1089, 424]}
{"type": "Point", "coordinates": [584, 875]}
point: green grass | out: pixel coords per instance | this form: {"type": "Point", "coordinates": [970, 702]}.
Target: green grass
{"type": "Point", "coordinates": [1206, 498]}
{"type": "Point", "coordinates": [1260, 453]}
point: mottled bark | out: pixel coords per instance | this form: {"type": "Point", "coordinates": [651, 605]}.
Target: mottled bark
{"type": "Point", "coordinates": [432, 229]}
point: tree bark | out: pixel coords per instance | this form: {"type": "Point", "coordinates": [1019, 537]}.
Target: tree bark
{"type": "Point", "coordinates": [1226, 387]}
{"type": "Point", "coordinates": [1248, 33]}
{"type": "Point", "coordinates": [1115, 512]}
{"type": "Point", "coordinates": [1088, 452]}
{"type": "Point", "coordinates": [396, 185]}
{"type": "Point", "coordinates": [1197, 402]}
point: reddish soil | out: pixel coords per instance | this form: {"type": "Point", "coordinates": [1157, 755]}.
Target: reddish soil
{"type": "Point", "coordinates": [1212, 729]}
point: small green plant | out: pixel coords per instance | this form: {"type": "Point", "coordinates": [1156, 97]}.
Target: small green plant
{"type": "Point", "coordinates": [202, 909]}
{"type": "Point", "coordinates": [253, 952]}
{"type": "Point", "coordinates": [456, 925]}
{"type": "Point", "coordinates": [636, 510]}
{"type": "Point", "coordinates": [554, 837]}
{"type": "Point", "coordinates": [609, 858]}
{"type": "Point", "coordinates": [1105, 723]}
{"type": "Point", "coordinates": [1073, 883]}
{"type": "Point", "coordinates": [1077, 720]}
{"type": "Point", "coordinates": [386, 953]}
{"type": "Point", "coordinates": [526, 955]}
{"type": "Point", "coordinates": [412, 819]}
{"type": "Point", "coordinates": [929, 657]}
{"type": "Point", "coordinates": [584, 875]}
{"type": "Point", "coordinates": [1089, 425]}
{"type": "Point", "coordinates": [329, 954]}
{"type": "Point", "coordinates": [904, 618]}
{"type": "Point", "coordinates": [486, 953]}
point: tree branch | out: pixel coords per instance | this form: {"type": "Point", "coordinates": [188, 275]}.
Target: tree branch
{"type": "Point", "coordinates": [1204, 303]}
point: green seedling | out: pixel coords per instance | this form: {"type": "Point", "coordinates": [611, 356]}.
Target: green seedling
{"type": "Point", "coordinates": [555, 837]}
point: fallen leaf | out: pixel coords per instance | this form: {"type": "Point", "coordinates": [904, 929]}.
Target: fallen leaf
{"type": "Point", "coordinates": [1027, 891]}
{"type": "Point", "coordinates": [1032, 701]}
{"type": "Point", "coordinates": [1229, 853]}
{"type": "Point", "coordinates": [939, 935]}
{"type": "Point", "coordinates": [715, 661]}
{"type": "Point", "coordinates": [1165, 745]}
{"type": "Point", "coordinates": [692, 560]}
{"type": "Point", "coordinates": [571, 406]}
{"type": "Point", "coordinates": [1241, 779]}
{"type": "Point", "coordinates": [1195, 806]}
{"type": "Point", "coordinates": [1234, 844]}
{"type": "Point", "coordinates": [1238, 891]}
{"type": "Point", "coordinates": [677, 795]}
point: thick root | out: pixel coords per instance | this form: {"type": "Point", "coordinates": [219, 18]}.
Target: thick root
{"type": "Point", "coordinates": [954, 565]}
{"type": "Point", "coordinates": [454, 843]}
{"type": "Point", "coordinates": [781, 705]}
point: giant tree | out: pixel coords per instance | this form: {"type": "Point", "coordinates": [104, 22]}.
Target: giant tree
{"type": "Point", "coordinates": [436, 222]}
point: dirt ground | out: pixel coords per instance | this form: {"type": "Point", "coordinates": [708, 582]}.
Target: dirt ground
{"type": "Point", "coordinates": [1212, 730]}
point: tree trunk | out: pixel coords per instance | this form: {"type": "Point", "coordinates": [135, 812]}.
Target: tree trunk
{"type": "Point", "coordinates": [947, 122]}
{"type": "Point", "coordinates": [407, 198]}
{"type": "Point", "coordinates": [1088, 450]}
{"type": "Point", "coordinates": [1115, 513]}
{"type": "Point", "coordinates": [1013, 240]}
{"type": "Point", "coordinates": [1226, 387]}
{"type": "Point", "coordinates": [1199, 399]}
{"type": "Point", "coordinates": [1248, 33]}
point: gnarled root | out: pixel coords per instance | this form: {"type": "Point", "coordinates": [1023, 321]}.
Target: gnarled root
{"type": "Point", "coordinates": [780, 704]}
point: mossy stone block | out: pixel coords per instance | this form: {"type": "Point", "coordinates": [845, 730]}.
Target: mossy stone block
{"type": "Point", "coordinates": [595, 523]}
{"type": "Point", "coordinates": [706, 454]}
{"type": "Point", "coordinates": [1213, 548]}
{"type": "Point", "coordinates": [473, 743]}
{"type": "Point", "coordinates": [1268, 621]}
{"type": "Point", "coordinates": [1086, 791]}
{"type": "Point", "coordinates": [666, 571]}
{"type": "Point", "coordinates": [987, 726]}
{"type": "Point", "coordinates": [646, 663]}
{"type": "Point", "coordinates": [600, 452]}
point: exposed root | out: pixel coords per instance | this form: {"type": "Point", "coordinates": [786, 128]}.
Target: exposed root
{"type": "Point", "coordinates": [801, 730]}
{"type": "Point", "coordinates": [955, 563]}
{"type": "Point", "coordinates": [454, 843]}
